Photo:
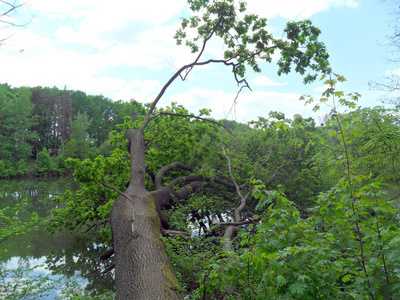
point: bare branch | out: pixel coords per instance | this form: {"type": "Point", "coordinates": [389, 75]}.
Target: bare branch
{"type": "Point", "coordinates": [114, 188]}
{"type": "Point", "coordinates": [108, 254]}
{"type": "Point", "coordinates": [97, 224]}
{"type": "Point", "coordinates": [237, 96]}
{"type": "Point", "coordinates": [243, 199]}
{"type": "Point", "coordinates": [11, 8]}
{"type": "Point", "coordinates": [203, 47]}
{"type": "Point", "coordinates": [259, 167]}
{"type": "Point", "coordinates": [172, 79]}
{"type": "Point", "coordinates": [169, 167]}
{"type": "Point", "coordinates": [244, 222]}
{"type": "Point", "coordinates": [108, 269]}
{"type": "Point", "coordinates": [280, 167]}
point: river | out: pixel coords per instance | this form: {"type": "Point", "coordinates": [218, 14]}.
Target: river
{"type": "Point", "coordinates": [61, 257]}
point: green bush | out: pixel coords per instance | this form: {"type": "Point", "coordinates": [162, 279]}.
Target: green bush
{"type": "Point", "coordinates": [45, 165]}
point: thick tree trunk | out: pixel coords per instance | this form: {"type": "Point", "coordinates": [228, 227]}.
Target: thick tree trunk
{"type": "Point", "coordinates": [142, 266]}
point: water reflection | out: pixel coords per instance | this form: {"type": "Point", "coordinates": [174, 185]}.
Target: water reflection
{"type": "Point", "coordinates": [60, 254]}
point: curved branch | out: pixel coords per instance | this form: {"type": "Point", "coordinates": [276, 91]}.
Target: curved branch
{"type": "Point", "coordinates": [184, 192]}
{"type": "Point", "coordinates": [200, 178]}
{"type": "Point", "coordinates": [169, 167]}
{"type": "Point", "coordinates": [12, 7]}
{"type": "Point", "coordinates": [188, 67]}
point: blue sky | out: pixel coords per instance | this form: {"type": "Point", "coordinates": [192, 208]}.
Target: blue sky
{"type": "Point", "coordinates": [125, 50]}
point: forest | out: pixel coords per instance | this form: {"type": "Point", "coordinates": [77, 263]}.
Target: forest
{"type": "Point", "coordinates": [190, 207]}
{"type": "Point", "coordinates": [42, 127]}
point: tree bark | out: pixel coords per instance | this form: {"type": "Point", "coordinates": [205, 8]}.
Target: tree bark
{"type": "Point", "coordinates": [142, 266]}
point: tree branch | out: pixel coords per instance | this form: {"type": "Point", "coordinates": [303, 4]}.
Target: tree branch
{"type": "Point", "coordinates": [243, 200]}
{"type": "Point", "coordinates": [114, 188]}
{"type": "Point", "coordinates": [97, 224]}
{"type": "Point", "coordinates": [108, 254]}
{"type": "Point", "coordinates": [169, 167]}
{"type": "Point", "coordinates": [174, 232]}
{"type": "Point", "coordinates": [248, 221]}
{"type": "Point", "coordinates": [280, 167]}
{"type": "Point", "coordinates": [12, 7]}
{"type": "Point", "coordinates": [172, 79]}
{"type": "Point", "coordinates": [184, 192]}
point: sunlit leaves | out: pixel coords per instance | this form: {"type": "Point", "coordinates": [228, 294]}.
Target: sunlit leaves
{"type": "Point", "coordinates": [248, 41]}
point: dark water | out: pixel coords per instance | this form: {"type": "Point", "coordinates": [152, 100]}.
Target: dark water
{"type": "Point", "coordinates": [61, 255]}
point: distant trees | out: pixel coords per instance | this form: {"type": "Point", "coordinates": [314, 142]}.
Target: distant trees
{"type": "Point", "coordinates": [16, 120]}
{"type": "Point", "coordinates": [33, 120]}
{"type": "Point", "coordinates": [78, 144]}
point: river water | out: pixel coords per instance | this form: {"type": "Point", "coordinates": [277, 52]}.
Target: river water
{"type": "Point", "coordinates": [72, 257]}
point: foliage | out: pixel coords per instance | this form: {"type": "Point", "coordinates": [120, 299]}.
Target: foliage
{"type": "Point", "coordinates": [15, 129]}
{"type": "Point", "coordinates": [279, 257]}
{"type": "Point", "coordinates": [44, 163]}
{"type": "Point", "coordinates": [348, 247]}
{"type": "Point", "coordinates": [21, 284]}
{"type": "Point", "coordinates": [337, 238]}
{"type": "Point", "coordinates": [38, 118]}
{"type": "Point", "coordinates": [358, 211]}
{"type": "Point", "coordinates": [248, 41]}
{"type": "Point", "coordinates": [18, 283]}
{"type": "Point", "coordinates": [78, 145]}
{"type": "Point", "coordinates": [169, 138]}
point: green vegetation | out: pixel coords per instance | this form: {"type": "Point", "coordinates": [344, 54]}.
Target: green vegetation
{"type": "Point", "coordinates": [322, 204]}
{"type": "Point", "coordinates": [42, 127]}
{"type": "Point", "coordinates": [278, 208]}
{"type": "Point", "coordinates": [321, 207]}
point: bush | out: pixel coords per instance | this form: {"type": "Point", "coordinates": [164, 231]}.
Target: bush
{"type": "Point", "coordinates": [45, 165]}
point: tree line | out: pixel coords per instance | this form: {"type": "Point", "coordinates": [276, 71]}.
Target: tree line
{"type": "Point", "coordinates": [41, 127]}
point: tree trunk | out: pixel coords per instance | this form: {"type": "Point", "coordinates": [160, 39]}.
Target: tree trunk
{"type": "Point", "coordinates": [142, 266]}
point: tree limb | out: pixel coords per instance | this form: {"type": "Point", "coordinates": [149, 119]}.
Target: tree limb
{"type": "Point", "coordinates": [174, 232]}
{"type": "Point", "coordinates": [280, 167]}
{"type": "Point", "coordinates": [103, 182]}
{"type": "Point", "coordinates": [248, 221]}
{"type": "Point", "coordinates": [169, 167]}
{"type": "Point", "coordinates": [97, 224]}
{"type": "Point", "coordinates": [108, 254]}
{"type": "Point", "coordinates": [243, 199]}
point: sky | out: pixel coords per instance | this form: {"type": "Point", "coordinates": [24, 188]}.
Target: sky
{"type": "Point", "coordinates": [125, 50]}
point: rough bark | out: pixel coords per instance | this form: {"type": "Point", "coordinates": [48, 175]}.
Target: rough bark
{"type": "Point", "coordinates": [142, 266]}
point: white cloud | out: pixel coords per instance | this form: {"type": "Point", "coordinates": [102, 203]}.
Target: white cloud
{"type": "Point", "coordinates": [394, 72]}
{"type": "Point", "coordinates": [295, 9]}
{"type": "Point", "coordinates": [249, 106]}
{"type": "Point", "coordinates": [95, 36]}
{"type": "Point", "coordinates": [265, 81]}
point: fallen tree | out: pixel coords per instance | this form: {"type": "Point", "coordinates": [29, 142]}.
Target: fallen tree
{"type": "Point", "coordinates": [142, 266]}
